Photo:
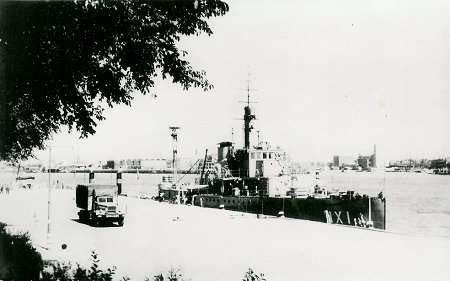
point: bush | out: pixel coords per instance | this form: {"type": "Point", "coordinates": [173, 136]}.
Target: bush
{"type": "Point", "coordinates": [21, 260]}
{"type": "Point", "coordinates": [251, 275]}
{"type": "Point", "coordinates": [172, 275]}
{"type": "Point", "coordinates": [55, 271]}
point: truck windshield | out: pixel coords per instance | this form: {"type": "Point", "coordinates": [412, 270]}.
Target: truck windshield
{"type": "Point", "coordinates": [105, 199]}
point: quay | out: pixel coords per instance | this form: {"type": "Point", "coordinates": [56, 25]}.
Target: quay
{"type": "Point", "coordinates": [212, 244]}
{"type": "Point", "coordinates": [125, 171]}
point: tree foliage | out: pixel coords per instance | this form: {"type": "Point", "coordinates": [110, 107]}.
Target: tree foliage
{"type": "Point", "coordinates": [62, 62]}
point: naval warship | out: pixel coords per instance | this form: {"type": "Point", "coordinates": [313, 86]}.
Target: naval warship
{"type": "Point", "coordinates": [256, 179]}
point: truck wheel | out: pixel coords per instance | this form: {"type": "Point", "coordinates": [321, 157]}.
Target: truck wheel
{"type": "Point", "coordinates": [82, 217]}
{"type": "Point", "coordinates": [121, 222]}
{"type": "Point", "coordinates": [94, 221]}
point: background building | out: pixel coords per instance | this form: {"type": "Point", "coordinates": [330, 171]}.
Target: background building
{"type": "Point", "coordinates": [364, 161]}
{"type": "Point", "coordinates": [340, 161]}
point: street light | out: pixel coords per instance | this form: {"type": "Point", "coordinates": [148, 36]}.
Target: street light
{"type": "Point", "coordinates": [49, 196]}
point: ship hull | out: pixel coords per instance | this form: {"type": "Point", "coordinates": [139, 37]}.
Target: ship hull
{"type": "Point", "coordinates": [354, 211]}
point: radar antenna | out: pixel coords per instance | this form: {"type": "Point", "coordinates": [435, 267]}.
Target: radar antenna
{"type": "Point", "coordinates": [248, 118]}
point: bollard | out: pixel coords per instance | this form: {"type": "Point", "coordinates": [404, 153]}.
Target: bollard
{"type": "Point", "coordinates": [91, 176]}
{"type": "Point", "coordinates": [119, 182]}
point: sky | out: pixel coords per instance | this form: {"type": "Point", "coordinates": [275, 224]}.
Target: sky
{"type": "Point", "coordinates": [329, 77]}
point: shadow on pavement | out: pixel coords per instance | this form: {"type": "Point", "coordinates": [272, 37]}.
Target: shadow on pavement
{"type": "Point", "coordinates": [103, 224]}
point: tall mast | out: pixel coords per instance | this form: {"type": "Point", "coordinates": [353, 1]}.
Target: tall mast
{"type": "Point", "coordinates": [374, 164]}
{"type": "Point", "coordinates": [248, 93]}
{"type": "Point", "coordinates": [248, 117]}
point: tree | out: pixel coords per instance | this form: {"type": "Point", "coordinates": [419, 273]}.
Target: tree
{"type": "Point", "coordinates": [62, 63]}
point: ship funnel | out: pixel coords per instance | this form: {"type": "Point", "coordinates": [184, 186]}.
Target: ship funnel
{"type": "Point", "coordinates": [248, 117]}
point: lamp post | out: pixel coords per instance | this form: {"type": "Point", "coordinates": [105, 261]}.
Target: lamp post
{"type": "Point", "coordinates": [174, 136]}
{"type": "Point", "coordinates": [49, 197]}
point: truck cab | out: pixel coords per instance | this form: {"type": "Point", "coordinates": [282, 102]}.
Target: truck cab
{"type": "Point", "coordinates": [98, 203]}
{"type": "Point", "coordinates": [106, 206]}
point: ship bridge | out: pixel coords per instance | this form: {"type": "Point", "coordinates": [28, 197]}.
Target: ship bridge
{"type": "Point", "coordinates": [265, 161]}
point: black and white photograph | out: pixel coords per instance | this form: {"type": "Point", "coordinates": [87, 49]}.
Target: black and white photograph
{"type": "Point", "coordinates": [246, 140]}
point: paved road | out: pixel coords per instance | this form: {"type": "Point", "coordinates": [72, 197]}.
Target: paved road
{"type": "Point", "coordinates": [208, 244]}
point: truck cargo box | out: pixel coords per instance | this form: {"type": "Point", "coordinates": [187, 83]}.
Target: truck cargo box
{"type": "Point", "coordinates": [85, 191]}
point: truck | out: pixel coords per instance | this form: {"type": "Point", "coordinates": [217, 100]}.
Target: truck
{"type": "Point", "coordinates": [98, 204]}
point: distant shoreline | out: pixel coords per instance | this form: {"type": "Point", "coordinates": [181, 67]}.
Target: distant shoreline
{"type": "Point", "coordinates": [130, 171]}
